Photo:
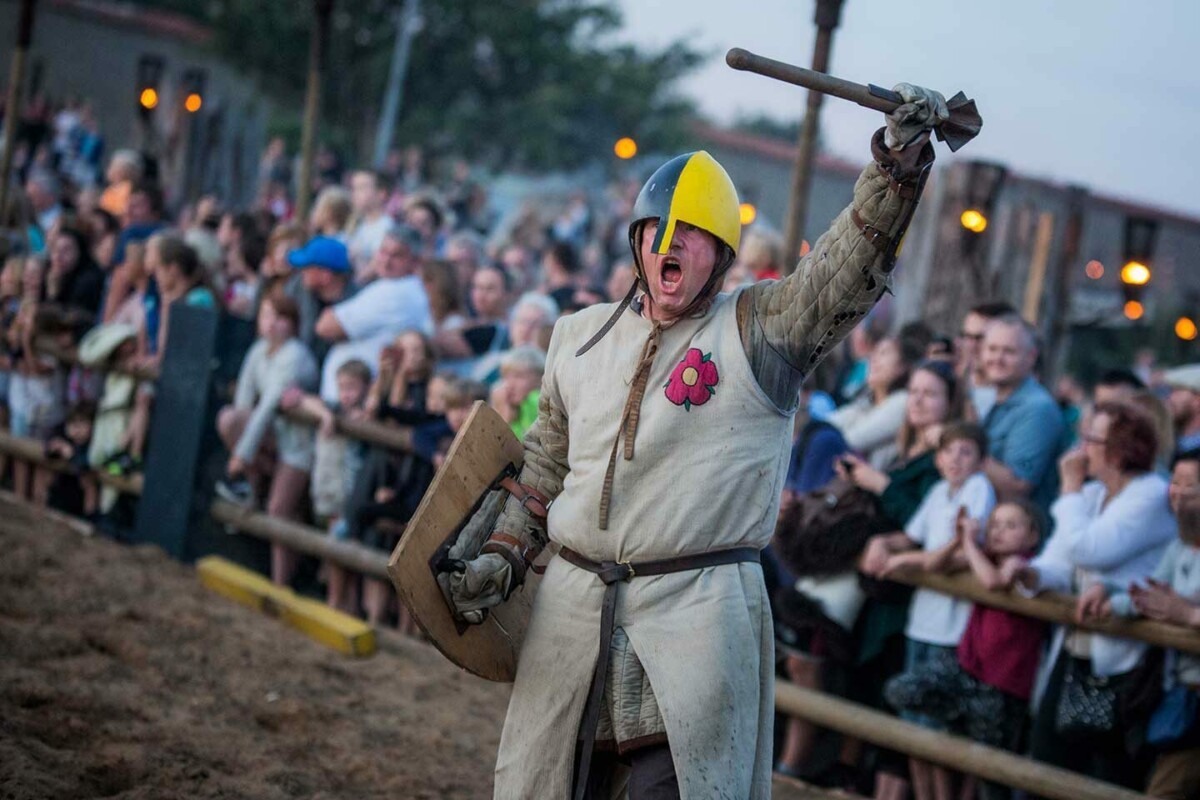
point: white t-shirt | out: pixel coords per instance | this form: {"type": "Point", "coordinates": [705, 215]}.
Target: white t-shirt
{"type": "Point", "coordinates": [934, 618]}
{"type": "Point", "coordinates": [366, 239]}
{"type": "Point", "coordinates": [372, 319]}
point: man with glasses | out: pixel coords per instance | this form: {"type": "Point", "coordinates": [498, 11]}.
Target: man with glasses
{"type": "Point", "coordinates": [968, 347]}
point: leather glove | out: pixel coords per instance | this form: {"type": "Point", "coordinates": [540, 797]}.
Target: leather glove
{"type": "Point", "coordinates": [479, 584]}
{"type": "Point", "coordinates": [909, 125]}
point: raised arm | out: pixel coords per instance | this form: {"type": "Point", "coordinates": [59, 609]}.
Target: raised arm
{"type": "Point", "coordinates": [789, 326]}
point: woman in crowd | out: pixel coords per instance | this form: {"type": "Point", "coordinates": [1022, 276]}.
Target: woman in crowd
{"type": "Point", "coordinates": [264, 445]}
{"type": "Point", "coordinates": [445, 297]}
{"type": "Point", "coordinates": [870, 422]}
{"type": "Point", "coordinates": [1110, 530]}
{"type": "Point", "coordinates": [74, 283]}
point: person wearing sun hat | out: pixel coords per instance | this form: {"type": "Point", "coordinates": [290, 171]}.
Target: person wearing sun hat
{"type": "Point", "coordinates": [323, 277]}
{"type": "Point", "coordinates": [661, 447]}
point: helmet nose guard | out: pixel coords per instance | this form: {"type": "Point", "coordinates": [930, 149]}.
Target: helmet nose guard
{"type": "Point", "coordinates": [691, 188]}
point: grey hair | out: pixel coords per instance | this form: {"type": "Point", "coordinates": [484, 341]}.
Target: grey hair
{"type": "Point", "coordinates": [524, 357]}
{"type": "Point", "coordinates": [130, 158]}
{"type": "Point", "coordinates": [1028, 332]}
{"type": "Point", "coordinates": [541, 302]}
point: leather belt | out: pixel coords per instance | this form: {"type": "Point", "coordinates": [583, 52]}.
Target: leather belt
{"type": "Point", "coordinates": [612, 573]}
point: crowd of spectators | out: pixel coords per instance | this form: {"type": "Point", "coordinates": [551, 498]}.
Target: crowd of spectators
{"type": "Point", "coordinates": [954, 457]}
{"type": "Point", "coordinates": [403, 299]}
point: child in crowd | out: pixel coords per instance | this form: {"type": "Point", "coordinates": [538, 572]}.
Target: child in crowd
{"type": "Point", "coordinates": [386, 500]}
{"type": "Point", "coordinates": [336, 462]}
{"type": "Point", "coordinates": [516, 395]}
{"type": "Point", "coordinates": [1171, 595]}
{"type": "Point", "coordinates": [935, 621]}
{"type": "Point", "coordinates": [36, 387]}
{"type": "Point", "coordinates": [985, 689]}
{"type": "Point", "coordinates": [265, 447]}
{"type": "Point", "coordinates": [75, 492]}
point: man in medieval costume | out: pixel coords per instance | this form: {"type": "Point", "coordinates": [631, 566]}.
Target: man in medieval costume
{"type": "Point", "coordinates": [656, 467]}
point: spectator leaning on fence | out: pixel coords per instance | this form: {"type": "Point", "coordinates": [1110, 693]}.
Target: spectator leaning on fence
{"type": "Point", "coordinates": [363, 325]}
{"type": "Point", "coordinates": [1171, 595]}
{"type": "Point", "coordinates": [337, 460]}
{"type": "Point", "coordinates": [256, 434]}
{"type": "Point", "coordinates": [1111, 530]}
{"type": "Point", "coordinates": [1025, 426]}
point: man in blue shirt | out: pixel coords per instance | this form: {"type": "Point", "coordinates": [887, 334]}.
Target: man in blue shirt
{"type": "Point", "coordinates": [1025, 425]}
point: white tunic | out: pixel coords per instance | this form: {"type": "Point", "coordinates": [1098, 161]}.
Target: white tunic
{"type": "Point", "coordinates": [706, 474]}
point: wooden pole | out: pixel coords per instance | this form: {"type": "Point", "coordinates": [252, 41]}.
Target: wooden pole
{"type": "Point", "coordinates": [1055, 608]}
{"type": "Point", "coordinates": [828, 13]}
{"type": "Point", "coordinates": [302, 538]}
{"type": "Point", "coordinates": [1036, 283]}
{"type": "Point", "coordinates": [954, 752]}
{"type": "Point", "coordinates": [318, 46]}
{"type": "Point", "coordinates": [12, 107]}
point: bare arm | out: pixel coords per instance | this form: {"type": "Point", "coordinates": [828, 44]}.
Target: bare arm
{"type": "Point", "coordinates": [1005, 481]}
{"type": "Point", "coordinates": [328, 327]}
{"type": "Point", "coordinates": [985, 571]}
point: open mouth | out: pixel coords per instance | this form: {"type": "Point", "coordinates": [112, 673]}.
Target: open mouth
{"type": "Point", "coordinates": [672, 272]}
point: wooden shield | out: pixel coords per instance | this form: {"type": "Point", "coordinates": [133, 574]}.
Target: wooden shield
{"type": "Point", "coordinates": [483, 449]}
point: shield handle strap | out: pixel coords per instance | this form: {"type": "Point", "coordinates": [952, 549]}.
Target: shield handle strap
{"type": "Point", "coordinates": [518, 554]}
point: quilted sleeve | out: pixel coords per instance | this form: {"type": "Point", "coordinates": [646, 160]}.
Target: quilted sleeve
{"type": "Point", "coordinates": [798, 320]}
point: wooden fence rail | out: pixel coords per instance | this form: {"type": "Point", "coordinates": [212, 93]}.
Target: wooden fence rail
{"type": "Point", "coordinates": [950, 751]}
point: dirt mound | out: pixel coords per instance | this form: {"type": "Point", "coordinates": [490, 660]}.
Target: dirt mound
{"type": "Point", "coordinates": [120, 676]}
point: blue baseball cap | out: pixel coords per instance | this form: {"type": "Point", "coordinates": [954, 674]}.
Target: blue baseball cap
{"type": "Point", "coordinates": [323, 252]}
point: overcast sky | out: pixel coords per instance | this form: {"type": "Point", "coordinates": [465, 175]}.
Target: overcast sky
{"type": "Point", "coordinates": [1105, 93]}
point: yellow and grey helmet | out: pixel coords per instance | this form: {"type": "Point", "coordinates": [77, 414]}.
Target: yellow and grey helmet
{"type": "Point", "coordinates": [691, 188]}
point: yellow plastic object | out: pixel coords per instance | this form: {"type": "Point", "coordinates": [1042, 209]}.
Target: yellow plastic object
{"type": "Point", "coordinates": [695, 189]}
{"type": "Point", "coordinates": [346, 634]}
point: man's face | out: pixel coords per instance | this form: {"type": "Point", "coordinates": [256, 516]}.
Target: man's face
{"type": "Point", "coordinates": [1008, 358]}
{"type": "Point", "coordinates": [487, 293]}
{"type": "Point", "coordinates": [1095, 444]}
{"type": "Point", "coordinates": [970, 340]}
{"type": "Point", "coordinates": [315, 279]}
{"type": "Point", "coordinates": [676, 279]}
{"type": "Point", "coordinates": [140, 210]}
{"type": "Point", "coordinates": [393, 259]}
{"type": "Point", "coordinates": [1181, 403]}
{"type": "Point", "coordinates": [1185, 483]}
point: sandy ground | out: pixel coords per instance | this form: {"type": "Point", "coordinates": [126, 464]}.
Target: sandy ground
{"type": "Point", "coordinates": [120, 676]}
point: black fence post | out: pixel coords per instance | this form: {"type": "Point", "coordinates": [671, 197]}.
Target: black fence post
{"type": "Point", "coordinates": [184, 454]}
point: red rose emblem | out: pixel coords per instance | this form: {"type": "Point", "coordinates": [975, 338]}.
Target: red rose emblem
{"type": "Point", "coordinates": [692, 380]}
